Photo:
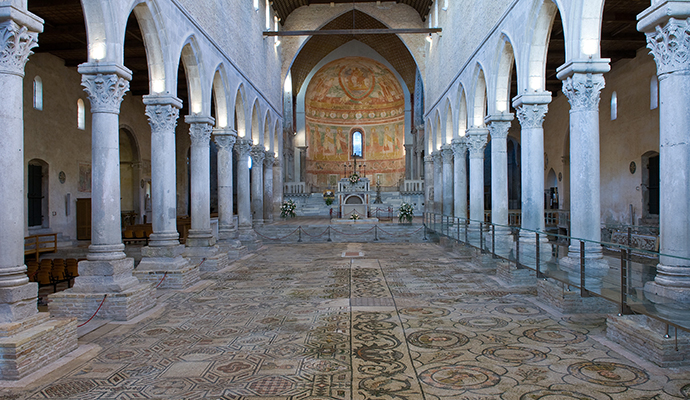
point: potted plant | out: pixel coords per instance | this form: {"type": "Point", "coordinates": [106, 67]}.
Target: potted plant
{"type": "Point", "coordinates": [354, 216]}
{"type": "Point", "coordinates": [328, 197]}
{"type": "Point", "coordinates": [405, 213]}
{"type": "Point", "coordinates": [287, 210]}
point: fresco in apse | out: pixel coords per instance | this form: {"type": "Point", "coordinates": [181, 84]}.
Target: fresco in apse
{"type": "Point", "coordinates": [355, 93]}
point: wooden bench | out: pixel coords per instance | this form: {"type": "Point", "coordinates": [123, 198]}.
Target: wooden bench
{"type": "Point", "coordinates": [34, 245]}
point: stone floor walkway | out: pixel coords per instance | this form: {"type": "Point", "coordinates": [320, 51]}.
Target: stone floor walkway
{"type": "Point", "coordinates": [354, 321]}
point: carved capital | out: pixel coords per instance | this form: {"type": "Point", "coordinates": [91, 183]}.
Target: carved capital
{"type": "Point", "coordinates": [17, 44]}
{"type": "Point", "coordinates": [670, 46]}
{"type": "Point", "coordinates": [200, 134]}
{"type": "Point", "coordinates": [428, 159]}
{"type": "Point", "coordinates": [531, 116]}
{"type": "Point", "coordinates": [162, 118]}
{"type": "Point", "coordinates": [583, 91]}
{"type": "Point", "coordinates": [242, 148]}
{"type": "Point", "coordinates": [499, 130]}
{"type": "Point", "coordinates": [459, 148]}
{"type": "Point", "coordinates": [269, 159]}
{"type": "Point", "coordinates": [258, 155]}
{"type": "Point", "coordinates": [476, 145]}
{"type": "Point", "coordinates": [225, 141]}
{"type": "Point", "coordinates": [447, 154]}
{"type": "Point", "coordinates": [105, 92]}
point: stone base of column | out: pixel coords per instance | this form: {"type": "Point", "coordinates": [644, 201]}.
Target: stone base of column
{"type": "Point", "coordinates": [596, 268]}
{"type": "Point", "coordinates": [504, 240]}
{"type": "Point", "coordinates": [528, 250]}
{"type": "Point", "coordinates": [233, 248]}
{"type": "Point", "coordinates": [200, 239]}
{"type": "Point", "coordinates": [207, 258]}
{"type": "Point", "coordinates": [18, 302]}
{"type": "Point", "coordinates": [556, 295]}
{"type": "Point", "coordinates": [671, 302]}
{"type": "Point", "coordinates": [127, 297]}
{"type": "Point", "coordinates": [648, 338]}
{"type": "Point", "coordinates": [249, 238]}
{"type": "Point", "coordinates": [509, 274]}
{"type": "Point", "coordinates": [34, 342]}
{"type": "Point", "coordinates": [166, 268]}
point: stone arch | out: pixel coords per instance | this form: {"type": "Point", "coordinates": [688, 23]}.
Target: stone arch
{"type": "Point", "coordinates": [38, 194]}
{"type": "Point", "coordinates": [438, 131]}
{"type": "Point", "coordinates": [504, 73]}
{"type": "Point", "coordinates": [479, 101]}
{"type": "Point", "coordinates": [153, 35]}
{"type": "Point", "coordinates": [256, 124]}
{"type": "Point", "coordinates": [275, 142]}
{"type": "Point", "coordinates": [462, 111]}
{"type": "Point", "coordinates": [449, 123]}
{"type": "Point", "coordinates": [220, 97]}
{"type": "Point", "coordinates": [267, 131]}
{"type": "Point", "coordinates": [102, 36]}
{"type": "Point", "coordinates": [428, 132]}
{"type": "Point", "coordinates": [240, 120]}
{"type": "Point", "coordinates": [539, 44]}
{"type": "Point", "coordinates": [191, 60]}
{"type": "Point", "coordinates": [586, 33]}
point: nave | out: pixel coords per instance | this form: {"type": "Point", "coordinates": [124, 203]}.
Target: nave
{"type": "Point", "coordinates": [352, 321]}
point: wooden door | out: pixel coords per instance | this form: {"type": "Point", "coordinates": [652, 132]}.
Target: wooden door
{"type": "Point", "coordinates": [84, 219]}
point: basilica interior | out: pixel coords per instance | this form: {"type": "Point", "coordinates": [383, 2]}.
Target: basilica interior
{"type": "Point", "coordinates": [488, 199]}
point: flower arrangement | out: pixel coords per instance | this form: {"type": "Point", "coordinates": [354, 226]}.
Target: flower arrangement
{"type": "Point", "coordinates": [354, 178]}
{"type": "Point", "coordinates": [287, 210]}
{"type": "Point", "coordinates": [328, 196]}
{"type": "Point", "coordinates": [354, 216]}
{"type": "Point", "coordinates": [405, 212]}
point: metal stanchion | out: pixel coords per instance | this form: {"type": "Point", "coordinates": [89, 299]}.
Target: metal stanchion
{"type": "Point", "coordinates": [299, 232]}
{"type": "Point", "coordinates": [457, 226]}
{"type": "Point", "coordinates": [329, 234]}
{"type": "Point", "coordinates": [376, 233]}
{"type": "Point", "coordinates": [538, 256]}
{"type": "Point", "coordinates": [493, 241]}
{"type": "Point", "coordinates": [583, 292]}
{"type": "Point", "coordinates": [517, 252]}
{"type": "Point", "coordinates": [625, 308]}
{"type": "Point", "coordinates": [481, 237]}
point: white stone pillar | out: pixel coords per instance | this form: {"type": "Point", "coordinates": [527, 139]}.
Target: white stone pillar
{"type": "Point", "coordinates": [409, 160]}
{"type": "Point", "coordinates": [278, 185]}
{"type": "Point", "coordinates": [447, 156]}
{"type": "Point", "coordinates": [269, 161]}
{"type": "Point", "coordinates": [438, 182]}
{"type": "Point", "coordinates": [428, 183]}
{"type": "Point", "coordinates": [225, 140]}
{"type": "Point", "coordinates": [582, 84]}
{"type": "Point", "coordinates": [498, 128]}
{"type": "Point", "coordinates": [106, 271]}
{"type": "Point", "coordinates": [460, 178]}
{"type": "Point", "coordinates": [476, 142]}
{"type": "Point", "coordinates": [258, 154]}
{"type": "Point", "coordinates": [531, 110]}
{"type": "Point", "coordinates": [200, 132]}
{"type": "Point", "coordinates": [163, 255]}
{"type": "Point", "coordinates": [244, 213]}
{"type": "Point", "coordinates": [667, 26]}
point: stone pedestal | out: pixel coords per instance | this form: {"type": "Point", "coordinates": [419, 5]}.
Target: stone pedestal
{"type": "Point", "coordinates": [558, 295]}
{"type": "Point", "coordinates": [166, 268]}
{"type": "Point", "coordinates": [476, 142]}
{"type": "Point", "coordinates": [509, 273]}
{"type": "Point", "coordinates": [447, 156]}
{"type": "Point", "coordinates": [460, 178]}
{"type": "Point", "coordinates": [650, 339]}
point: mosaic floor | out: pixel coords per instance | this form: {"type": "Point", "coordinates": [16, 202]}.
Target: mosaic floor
{"type": "Point", "coordinates": [356, 321]}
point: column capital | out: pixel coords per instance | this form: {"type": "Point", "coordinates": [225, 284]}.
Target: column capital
{"type": "Point", "coordinates": [225, 138]}
{"type": "Point", "coordinates": [242, 147]}
{"type": "Point", "coordinates": [447, 153]}
{"type": "Point", "coordinates": [269, 159]}
{"type": "Point", "coordinates": [20, 35]}
{"type": "Point", "coordinates": [531, 115]}
{"type": "Point", "coordinates": [437, 156]}
{"type": "Point", "coordinates": [428, 158]}
{"type": "Point", "coordinates": [199, 131]}
{"type": "Point", "coordinates": [660, 13]}
{"type": "Point", "coordinates": [105, 90]}
{"type": "Point", "coordinates": [670, 46]}
{"type": "Point", "coordinates": [583, 90]}
{"type": "Point", "coordinates": [258, 154]}
{"type": "Point", "coordinates": [162, 117]}
{"type": "Point", "coordinates": [499, 125]}
{"type": "Point", "coordinates": [476, 141]}
{"type": "Point", "coordinates": [459, 147]}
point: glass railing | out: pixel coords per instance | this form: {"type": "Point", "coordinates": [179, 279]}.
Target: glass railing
{"type": "Point", "coordinates": [616, 272]}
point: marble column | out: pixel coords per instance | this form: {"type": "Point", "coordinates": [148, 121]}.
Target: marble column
{"type": "Point", "coordinates": [447, 157]}
{"type": "Point", "coordinates": [498, 128]}
{"type": "Point", "coordinates": [409, 160]}
{"type": "Point", "coordinates": [667, 27]}
{"type": "Point", "coordinates": [258, 154]}
{"type": "Point", "coordinates": [278, 185]}
{"type": "Point", "coordinates": [22, 328]}
{"type": "Point", "coordinates": [531, 110]}
{"type": "Point", "coordinates": [460, 177]}
{"type": "Point", "coordinates": [227, 231]}
{"type": "Point", "coordinates": [582, 84]}
{"type": "Point", "coordinates": [438, 182]}
{"type": "Point", "coordinates": [269, 161]}
{"type": "Point", "coordinates": [163, 255]}
{"type": "Point", "coordinates": [429, 184]}
{"type": "Point", "coordinates": [244, 214]}
{"type": "Point", "coordinates": [302, 172]}
{"type": "Point", "coordinates": [107, 271]}
{"type": "Point", "coordinates": [476, 142]}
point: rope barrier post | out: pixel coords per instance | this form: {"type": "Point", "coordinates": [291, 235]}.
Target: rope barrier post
{"type": "Point", "coordinates": [625, 309]}
{"type": "Point", "coordinates": [539, 274]}
{"type": "Point", "coordinates": [493, 241]}
{"type": "Point", "coordinates": [481, 237]}
{"type": "Point", "coordinates": [517, 252]}
{"type": "Point", "coordinates": [457, 226]}
{"type": "Point", "coordinates": [329, 234]}
{"type": "Point", "coordinates": [583, 291]}
{"type": "Point", "coordinates": [299, 232]}
{"type": "Point", "coordinates": [376, 233]}
{"type": "Point", "coordinates": [466, 222]}
{"type": "Point", "coordinates": [424, 229]}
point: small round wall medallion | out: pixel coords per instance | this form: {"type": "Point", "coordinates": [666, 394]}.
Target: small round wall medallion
{"type": "Point", "coordinates": [62, 176]}
{"type": "Point", "coordinates": [633, 167]}
{"type": "Point", "coordinates": [560, 176]}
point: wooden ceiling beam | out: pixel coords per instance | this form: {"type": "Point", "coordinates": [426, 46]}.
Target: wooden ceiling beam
{"type": "Point", "coordinates": [334, 32]}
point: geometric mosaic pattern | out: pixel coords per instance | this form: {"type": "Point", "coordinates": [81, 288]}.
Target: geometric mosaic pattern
{"type": "Point", "coordinates": [403, 322]}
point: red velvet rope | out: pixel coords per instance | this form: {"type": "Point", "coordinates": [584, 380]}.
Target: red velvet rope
{"type": "Point", "coordinates": [94, 314]}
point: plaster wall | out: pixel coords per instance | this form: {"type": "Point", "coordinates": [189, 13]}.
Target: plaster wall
{"type": "Point", "coordinates": [52, 135]}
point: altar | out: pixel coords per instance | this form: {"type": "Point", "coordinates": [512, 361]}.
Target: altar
{"type": "Point", "coordinates": [354, 198]}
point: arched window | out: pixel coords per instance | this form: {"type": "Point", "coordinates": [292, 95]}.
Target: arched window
{"type": "Point", "coordinates": [357, 143]}
{"type": "Point", "coordinates": [256, 5]}
{"type": "Point", "coordinates": [614, 106]}
{"type": "Point", "coordinates": [445, 5]}
{"type": "Point", "coordinates": [81, 115]}
{"type": "Point", "coordinates": [654, 93]}
{"type": "Point", "coordinates": [38, 93]}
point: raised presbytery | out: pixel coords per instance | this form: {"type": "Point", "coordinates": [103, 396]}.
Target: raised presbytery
{"type": "Point", "coordinates": [155, 145]}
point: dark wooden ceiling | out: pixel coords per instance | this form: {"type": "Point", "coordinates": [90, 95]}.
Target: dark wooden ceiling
{"type": "Point", "coordinates": [65, 37]}
{"type": "Point", "coordinates": [284, 7]}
